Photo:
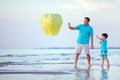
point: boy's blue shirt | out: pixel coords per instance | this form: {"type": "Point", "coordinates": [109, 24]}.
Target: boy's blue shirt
{"type": "Point", "coordinates": [104, 45]}
{"type": "Point", "coordinates": [85, 31]}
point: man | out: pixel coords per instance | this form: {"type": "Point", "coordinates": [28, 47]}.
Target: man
{"type": "Point", "coordinates": [85, 32]}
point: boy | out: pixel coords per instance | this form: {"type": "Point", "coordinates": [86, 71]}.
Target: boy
{"type": "Point", "coordinates": [103, 41]}
{"type": "Point", "coordinates": [85, 32]}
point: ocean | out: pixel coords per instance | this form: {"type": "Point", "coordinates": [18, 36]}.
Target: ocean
{"type": "Point", "coordinates": [45, 59]}
{"type": "Point", "coordinates": [56, 64]}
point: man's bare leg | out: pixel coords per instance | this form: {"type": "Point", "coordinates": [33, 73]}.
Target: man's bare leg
{"type": "Point", "coordinates": [88, 59]}
{"type": "Point", "coordinates": [76, 59]}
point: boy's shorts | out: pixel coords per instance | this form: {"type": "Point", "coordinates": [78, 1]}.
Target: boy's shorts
{"type": "Point", "coordinates": [103, 54]}
{"type": "Point", "coordinates": [79, 48]}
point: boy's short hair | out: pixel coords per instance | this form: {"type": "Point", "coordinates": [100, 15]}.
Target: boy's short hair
{"type": "Point", "coordinates": [105, 35]}
{"type": "Point", "coordinates": [87, 19]}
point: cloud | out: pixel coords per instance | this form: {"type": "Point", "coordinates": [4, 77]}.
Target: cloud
{"type": "Point", "coordinates": [90, 5]}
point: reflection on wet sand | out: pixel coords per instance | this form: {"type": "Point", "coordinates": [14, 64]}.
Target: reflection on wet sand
{"type": "Point", "coordinates": [84, 74]}
{"type": "Point", "coordinates": [104, 74]}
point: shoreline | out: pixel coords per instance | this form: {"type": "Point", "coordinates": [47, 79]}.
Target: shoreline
{"type": "Point", "coordinates": [34, 72]}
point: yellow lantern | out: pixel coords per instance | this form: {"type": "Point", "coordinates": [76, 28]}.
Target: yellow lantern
{"type": "Point", "coordinates": [51, 24]}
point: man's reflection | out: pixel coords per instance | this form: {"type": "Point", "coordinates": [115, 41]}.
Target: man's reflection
{"type": "Point", "coordinates": [83, 74]}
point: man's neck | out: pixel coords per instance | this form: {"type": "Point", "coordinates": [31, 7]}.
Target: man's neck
{"type": "Point", "coordinates": [86, 24]}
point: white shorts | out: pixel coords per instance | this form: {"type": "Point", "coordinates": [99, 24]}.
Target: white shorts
{"type": "Point", "coordinates": [85, 47]}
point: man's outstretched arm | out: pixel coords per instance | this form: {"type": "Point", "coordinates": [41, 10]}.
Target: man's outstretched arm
{"type": "Point", "coordinates": [70, 27]}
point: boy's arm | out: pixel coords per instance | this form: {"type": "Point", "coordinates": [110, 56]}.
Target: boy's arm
{"type": "Point", "coordinates": [92, 47]}
{"type": "Point", "coordinates": [99, 38]}
{"type": "Point", "coordinates": [70, 27]}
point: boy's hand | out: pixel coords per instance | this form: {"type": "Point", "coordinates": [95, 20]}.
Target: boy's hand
{"type": "Point", "coordinates": [97, 36]}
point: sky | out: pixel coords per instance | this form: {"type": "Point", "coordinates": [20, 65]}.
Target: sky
{"type": "Point", "coordinates": [20, 22]}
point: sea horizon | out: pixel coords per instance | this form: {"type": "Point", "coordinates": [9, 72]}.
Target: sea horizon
{"type": "Point", "coordinates": [57, 48]}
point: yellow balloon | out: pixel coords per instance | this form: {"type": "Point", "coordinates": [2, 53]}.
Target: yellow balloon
{"type": "Point", "coordinates": [51, 24]}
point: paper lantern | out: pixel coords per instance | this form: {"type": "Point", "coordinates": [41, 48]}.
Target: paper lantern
{"type": "Point", "coordinates": [51, 24]}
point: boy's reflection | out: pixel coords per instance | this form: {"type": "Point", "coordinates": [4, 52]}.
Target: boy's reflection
{"type": "Point", "coordinates": [104, 74]}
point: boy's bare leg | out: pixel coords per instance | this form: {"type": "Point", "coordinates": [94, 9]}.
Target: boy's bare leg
{"type": "Point", "coordinates": [88, 59]}
{"type": "Point", "coordinates": [102, 62]}
{"type": "Point", "coordinates": [108, 65]}
{"type": "Point", "coordinates": [76, 59]}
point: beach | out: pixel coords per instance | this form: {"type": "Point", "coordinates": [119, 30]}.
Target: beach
{"type": "Point", "coordinates": [56, 64]}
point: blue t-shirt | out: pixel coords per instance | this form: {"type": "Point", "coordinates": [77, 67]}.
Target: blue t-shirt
{"type": "Point", "coordinates": [104, 45]}
{"type": "Point", "coordinates": [85, 31]}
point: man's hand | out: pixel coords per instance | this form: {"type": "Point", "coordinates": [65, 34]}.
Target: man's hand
{"type": "Point", "coordinates": [92, 47]}
{"type": "Point", "coordinates": [70, 27]}
{"type": "Point", "coordinates": [69, 24]}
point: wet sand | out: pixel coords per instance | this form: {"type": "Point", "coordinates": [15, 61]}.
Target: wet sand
{"type": "Point", "coordinates": [81, 73]}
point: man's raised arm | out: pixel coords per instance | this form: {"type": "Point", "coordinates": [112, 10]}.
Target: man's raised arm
{"type": "Point", "coordinates": [70, 27]}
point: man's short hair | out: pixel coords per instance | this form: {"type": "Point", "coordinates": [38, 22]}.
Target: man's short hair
{"type": "Point", "coordinates": [87, 19]}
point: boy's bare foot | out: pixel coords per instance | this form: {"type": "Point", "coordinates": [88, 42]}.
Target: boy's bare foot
{"type": "Point", "coordinates": [108, 66]}
{"type": "Point", "coordinates": [89, 66]}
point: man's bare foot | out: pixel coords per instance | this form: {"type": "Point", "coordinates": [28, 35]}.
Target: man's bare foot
{"type": "Point", "coordinates": [89, 66]}
{"type": "Point", "coordinates": [75, 66]}
{"type": "Point", "coordinates": [102, 66]}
